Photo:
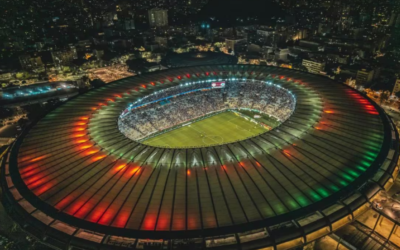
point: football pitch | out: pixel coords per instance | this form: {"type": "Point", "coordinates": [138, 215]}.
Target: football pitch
{"type": "Point", "coordinates": [215, 130]}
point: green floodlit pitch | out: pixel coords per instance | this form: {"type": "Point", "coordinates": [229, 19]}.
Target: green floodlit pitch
{"type": "Point", "coordinates": [218, 129]}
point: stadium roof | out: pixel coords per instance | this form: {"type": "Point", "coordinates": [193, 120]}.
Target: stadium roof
{"type": "Point", "coordinates": [76, 167]}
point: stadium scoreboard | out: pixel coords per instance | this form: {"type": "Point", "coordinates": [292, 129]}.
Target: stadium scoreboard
{"type": "Point", "coordinates": [218, 85]}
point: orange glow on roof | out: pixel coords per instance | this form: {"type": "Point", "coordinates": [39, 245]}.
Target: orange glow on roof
{"type": "Point", "coordinates": [286, 152]}
{"type": "Point", "coordinates": [329, 111]}
{"type": "Point", "coordinates": [81, 141]}
{"type": "Point", "coordinates": [84, 118]}
{"type": "Point", "coordinates": [80, 123]}
{"type": "Point", "coordinates": [78, 135]}
{"type": "Point", "coordinates": [85, 146]}
{"type": "Point", "coordinates": [110, 100]}
{"type": "Point", "coordinates": [120, 167]}
{"type": "Point", "coordinates": [224, 167]}
{"type": "Point", "coordinates": [79, 129]}
{"type": "Point", "coordinates": [188, 172]}
{"type": "Point", "coordinates": [119, 96]}
{"type": "Point", "coordinates": [92, 152]}
{"type": "Point", "coordinates": [258, 164]}
{"type": "Point", "coordinates": [144, 86]}
{"type": "Point", "coordinates": [38, 158]}
{"type": "Point", "coordinates": [99, 157]}
{"type": "Point", "coordinates": [152, 83]}
{"type": "Point", "coordinates": [94, 108]}
{"type": "Point", "coordinates": [135, 170]}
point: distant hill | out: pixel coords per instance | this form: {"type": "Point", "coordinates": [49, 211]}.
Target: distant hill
{"type": "Point", "coordinates": [240, 12]}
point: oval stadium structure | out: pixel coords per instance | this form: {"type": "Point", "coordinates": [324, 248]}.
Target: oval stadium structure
{"type": "Point", "coordinates": [179, 159]}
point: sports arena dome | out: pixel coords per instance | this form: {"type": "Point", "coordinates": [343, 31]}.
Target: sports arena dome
{"type": "Point", "coordinates": [76, 179]}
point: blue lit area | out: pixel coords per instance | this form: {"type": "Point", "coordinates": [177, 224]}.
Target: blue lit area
{"type": "Point", "coordinates": [36, 90]}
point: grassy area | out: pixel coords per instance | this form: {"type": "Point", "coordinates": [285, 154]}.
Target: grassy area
{"type": "Point", "coordinates": [266, 119]}
{"type": "Point", "coordinates": [218, 129]}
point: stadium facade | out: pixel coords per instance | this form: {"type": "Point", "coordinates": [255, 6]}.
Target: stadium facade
{"type": "Point", "coordinates": [75, 181]}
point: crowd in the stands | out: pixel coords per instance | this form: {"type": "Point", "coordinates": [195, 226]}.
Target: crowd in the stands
{"type": "Point", "coordinates": [146, 119]}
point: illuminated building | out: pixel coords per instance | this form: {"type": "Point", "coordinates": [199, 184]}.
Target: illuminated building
{"type": "Point", "coordinates": [158, 17]}
{"type": "Point", "coordinates": [314, 66]}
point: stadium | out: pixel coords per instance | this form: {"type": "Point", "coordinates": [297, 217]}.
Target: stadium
{"type": "Point", "coordinates": [204, 157]}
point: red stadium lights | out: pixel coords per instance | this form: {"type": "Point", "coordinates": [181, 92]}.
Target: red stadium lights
{"type": "Point", "coordinates": [144, 86]}
{"type": "Point", "coordinates": [85, 146]}
{"type": "Point", "coordinates": [188, 75]}
{"type": "Point", "coordinates": [38, 158]}
{"type": "Point", "coordinates": [78, 135]}
{"type": "Point", "coordinates": [98, 157]}
{"type": "Point", "coordinates": [91, 152]}
{"type": "Point", "coordinates": [81, 141]}
{"type": "Point", "coordinates": [120, 167]}
{"type": "Point", "coordinates": [179, 77]}
{"type": "Point", "coordinates": [207, 73]}
{"type": "Point", "coordinates": [153, 84]}
{"type": "Point", "coordinates": [135, 170]}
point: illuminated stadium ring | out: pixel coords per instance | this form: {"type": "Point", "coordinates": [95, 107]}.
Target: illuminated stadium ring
{"type": "Point", "coordinates": [74, 178]}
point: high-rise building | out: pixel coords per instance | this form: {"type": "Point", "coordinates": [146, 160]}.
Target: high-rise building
{"type": "Point", "coordinates": [64, 57]}
{"type": "Point", "coordinates": [158, 17]}
{"type": "Point", "coordinates": [396, 87]}
{"type": "Point", "coordinates": [314, 66]}
{"type": "Point", "coordinates": [31, 63]}
{"type": "Point", "coordinates": [365, 76]}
